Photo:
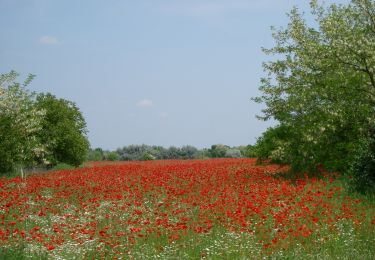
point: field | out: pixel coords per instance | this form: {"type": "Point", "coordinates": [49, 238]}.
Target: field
{"type": "Point", "coordinates": [214, 209]}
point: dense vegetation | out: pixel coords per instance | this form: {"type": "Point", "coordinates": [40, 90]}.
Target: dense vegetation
{"type": "Point", "coordinates": [322, 91]}
{"type": "Point", "coordinates": [63, 130]}
{"type": "Point", "coordinates": [38, 130]}
{"type": "Point", "coordinates": [148, 152]}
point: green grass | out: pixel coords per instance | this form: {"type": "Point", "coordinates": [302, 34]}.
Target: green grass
{"type": "Point", "coordinates": [62, 166]}
{"type": "Point", "coordinates": [220, 244]}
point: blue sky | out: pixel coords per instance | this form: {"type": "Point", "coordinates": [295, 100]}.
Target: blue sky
{"type": "Point", "coordinates": [157, 72]}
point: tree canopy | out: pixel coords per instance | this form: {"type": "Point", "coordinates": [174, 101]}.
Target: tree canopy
{"type": "Point", "coordinates": [20, 120]}
{"type": "Point", "coordinates": [323, 87]}
{"type": "Point", "coordinates": [63, 130]}
{"type": "Point", "coordinates": [37, 129]}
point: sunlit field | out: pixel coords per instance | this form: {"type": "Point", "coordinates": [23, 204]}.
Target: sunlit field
{"type": "Point", "coordinates": [214, 209]}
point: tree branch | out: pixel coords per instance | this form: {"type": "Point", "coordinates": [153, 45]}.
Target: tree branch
{"type": "Point", "coordinates": [366, 9]}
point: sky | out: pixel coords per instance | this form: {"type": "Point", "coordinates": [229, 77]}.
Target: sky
{"type": "Point", "coordinates": [157, 72]}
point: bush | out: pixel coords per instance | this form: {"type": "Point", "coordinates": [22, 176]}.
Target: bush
{"type": "Point", "coordinates": [112, 156]}
{"type": "Point", "coordinates": [362, 169]}
{"type": "Point", "coordinates": [95, 155]}
{"type": "Point", "coordinates": [233, 153]}
{"type": "Point", "coordinates": [272, 144]}
{"type": "Point", "coordinates": [249, 151]}
{"type": "Point", "coordinates": [218, 150]}
{"type": "Point", "coordinates": [148, 157]}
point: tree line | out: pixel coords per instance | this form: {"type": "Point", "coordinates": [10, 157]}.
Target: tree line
{"type": "Point", "coordinates": [153, 152]}
{"type": "Point", "coordinates": [41, 130]}
{"type": "Point", "coordinates": [38, 128]}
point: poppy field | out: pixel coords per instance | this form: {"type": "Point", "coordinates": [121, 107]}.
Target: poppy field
{"type": "Point", "coordinates": [194, 209]}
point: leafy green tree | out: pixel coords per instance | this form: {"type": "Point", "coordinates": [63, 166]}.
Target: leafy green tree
{"type": "Point", "coordinates": [95, 155]}
{"type": "Point", "coordinates": [218, 150]}
{"type": "Point", "coordinates": [233, 153]}
{"type": "Point", "coordinates": [188, 152]}
{"type": "Point", "coordinates": [111, 156]}
{"type": "Point", "coordinates": [248, 151]}
{"type": "Point", "coordinates": [362, 168]}
{"type": "Point", "coordinates": [20, 121]}
{"type": "Point", "coordinates": [63, 130]}
{"type": "Point", "coordinates": [148, 157]}
{"type": "Point", "coordinates": [323, 86]}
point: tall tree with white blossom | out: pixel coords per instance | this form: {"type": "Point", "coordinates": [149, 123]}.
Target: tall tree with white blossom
{"type": "Point", "coordinates": [323, 86]}
{"type": "Point", "coordinates": [20, 120]}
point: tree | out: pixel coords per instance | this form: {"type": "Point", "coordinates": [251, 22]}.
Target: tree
{"type": "Point", "coordinates": [233, 153]}
{"type": "Point", "coordinates": [218, 150]}
{"type": "Point", "coordinates": [111, 156]}
{"type": "Point", "coordinates": [96, 154]}
{"type": "Point", "coordinates": [323, 89]}
{"type": "Point", "coordinates": [188, 152]}
{"type": "Point", "coordinates": [63, 130]}
{"type": "Point", "coordinates": [20, 120]}
{"type": "Point", "coordinates": [248, 151]}
{"type": "Point", "coordinates": [363, 167]}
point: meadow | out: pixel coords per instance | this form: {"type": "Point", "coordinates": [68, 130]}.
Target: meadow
{"type": "Point", "coordinates": [174, 209]}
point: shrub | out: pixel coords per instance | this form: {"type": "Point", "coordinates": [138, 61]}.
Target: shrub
{"type": "Point", "coordinates": [233, 153]}
{"type": "Point", "coordinates": [218, 150]}
{"type": "Point", "coordinates": [248, 151]}
{"type": "Point", "coordinates": [362, 169]}
{"type": "Point", "coordinates": [272, 144]}
{"type": "Point", "coordinates": [95, 155]}
{"type": "Point", "coordinates": [112, 156]}
{"type": "Point", "coordinates": [148, 157]}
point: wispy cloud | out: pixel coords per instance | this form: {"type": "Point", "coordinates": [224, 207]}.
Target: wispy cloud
{"type": "Point", "coordinates": [49, 40]}
{"type": "Point", "coordinates": [144, 103]}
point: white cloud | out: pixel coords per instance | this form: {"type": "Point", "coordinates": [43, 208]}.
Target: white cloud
{"type": "Point", "coordinates": [144, 103]}
{"type": "Point", "coordinates": [163, 115]}
{"type": "Point", "coordinates": [49, 40]}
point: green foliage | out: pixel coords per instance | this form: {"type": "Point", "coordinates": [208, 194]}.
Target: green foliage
{"type": "Point", "coordinates": [37, 130]}
{"type": "Point", "coordinates": [323, 87]}
{"type": "Point", "coordinates": [148, 157]}
{"type": "Point", "coordinates": [62, 166]}
{"type": "Point", "coordinates": [188, 152]}
{"type": "Point", "coordinates": [362, 170]}
{"type": "Point", "coordinates": [272, 144]}
{"type": "Point", "coordinates": [137, 152]}
{"type": "Point", "coordinates": [218, 151]}
{"type": "Point", "coordinates": [95, 155]}
{"type": "Point", "coordinates": [112, 156]}
{"type": "Point", "coordinates": [20, 120]}
{"type": "Point", "coordinates": [248, 151]}
{"type": "Point", "coordinates": [21, 252]}
{"type": "Point", "coordinates": [63, 131]}
{"type": "Point", "coordinates": [233, 153]}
